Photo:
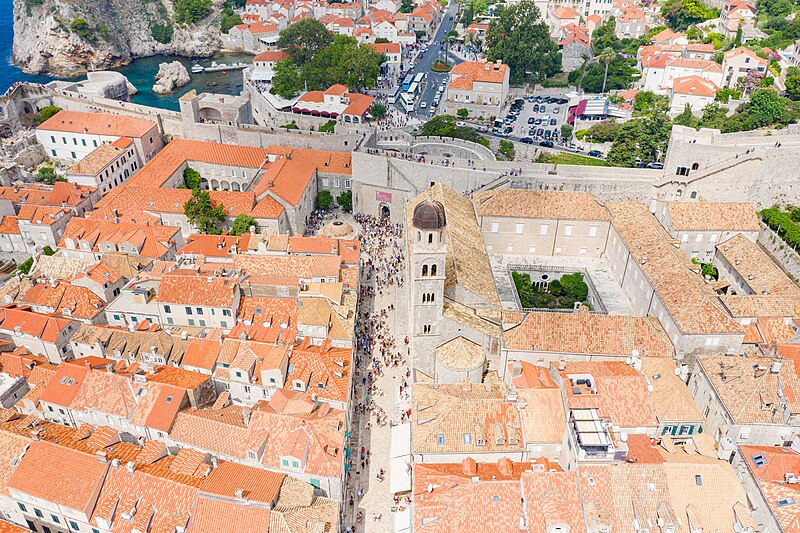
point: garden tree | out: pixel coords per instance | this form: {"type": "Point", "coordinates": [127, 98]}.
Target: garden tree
{"type": "Point", "coordinates": [345, 61]}
{"type": "Point", "coordinates": [463, 112]}
{"type": "Point", "coordinates": [507, 149]}
{"type": "Point", "coordinates": [48, 251]}
{"type": "Point", "coordinates": [46, 175]}
{"type": "Point", "coordinates": [47, 112]}
{"type": "Point", "coordinates": [203, 214]}
{"type": "Point", "coordinates": [189, 11]}
{"type": "Point", "coordinates": [603, 132]}
{"type": "Point", "coordinates": [377, 110]}
{"type": "Point", "coordinates": [574, 286]}
{"type": "Point", "coordinates": [566, 131]}
{"type": "Point", "coordinates": [242, 223]}
{"type": "Point", "coordinates": [606, 56]}
{"type": "Point", "coordinates": [381, 40]}
{"type": "Point", "coordinates": [286, 80]}
{"type": "Point", "coordinates": [726, 93]}
{"type": "Point", "coordinates": [793, 82]}
{"type": "Point", "coordinates": [519, 37]}
{"type": "Point", "coordinates": [406, 6]}
{"type": "Point", "coordinates": [620, 75]}
{"type": "Point", "coordinates": [228, 19]}
{"type": "Point", "coordinates": [624, 148]}
{"type": "Point", "coordinates": [646, 102]}
{"type": "Point", "coordinates": [686, 118]}
{"type": "Point", "coordinates": [751, 81]}
{"type": "Point", "coordinates": [768, 104]}
{"type": "Point", "coordinates": [25, 266]}
{"type": "Point", "coordinates": [324, 199]}
{"type": "Point", "coordinates": [191, 178]}
{"type": "Point", "coordinates": [445, 126]}
{"type": "Point", "coordinates": [304, 39]}
{"type": "Point", "coordinates": [470, 8]}
{"type": "Point", "coordinates": [776, 8]}
{"type": "Point", "coordinates": [345, 200]}
{"type": "Point", "coordinates": [680, 14]}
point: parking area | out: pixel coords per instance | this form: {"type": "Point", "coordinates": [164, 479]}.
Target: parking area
{"type": "Point", "coordinates": [537, 118]}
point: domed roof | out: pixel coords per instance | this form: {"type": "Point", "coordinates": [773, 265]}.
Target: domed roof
{"type": "Point", "coordinates": [429, 216]}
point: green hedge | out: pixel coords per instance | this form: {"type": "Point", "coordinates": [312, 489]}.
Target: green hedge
{"type": "Point", "coordinates": [783, 225]}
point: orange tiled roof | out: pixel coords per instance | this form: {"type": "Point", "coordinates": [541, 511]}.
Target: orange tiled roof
{"type": "Point", "coordinates": [215, 245]}
{"type": "Point", "coordinates": [464, 74]}
{"type": "Point", "coordinates": [97, 124]}
{"type": "Point", "coordinates": [42, 326]}
{"type": "Point", "coordinates": [322, 365]}
{"type": "Point", "coordinates": [212, 291]}
{"type": "Point", "coordinates": [695, 86]}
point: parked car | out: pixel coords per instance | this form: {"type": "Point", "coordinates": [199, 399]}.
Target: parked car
{"type": "Point", "coordinates": [535, 108]}
{"type": "Point", "coordinates": [483, 129]}
{"type": "Point", "coordinates": [508, 130]}
{"type": "Point", "coordinates": [498, 123]}
{"type": "Point", "coordinates": [595, 153]}
{"type": "Point", "coordinates": [540, 132]}
{"type": "Point", "coordinates": [542, 109]}
{"type": "Point", "coordinates": [553, 122]}
{"type": "Point", "coordinates": [556, 110]}
{"type": "Point", "coordinates": [423, 105]}
{"type": "Point", "coordinates": [441, 88]}
{"type": "Point", "coordinates": [656, 165]}
{"type": "Point", "coordinates": [461, 124]}
{"type": "Point", "coordinates": [519, 101]}
{"type": "Point", "coordinates": [526, 140]}
{"type": "Point", "coordinates": [546, 144]}
{"type": "Point", "coordinates": [548, 134]}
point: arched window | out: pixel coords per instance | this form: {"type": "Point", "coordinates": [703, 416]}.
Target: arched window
{"type": "Point", "coordinates": [695, 166]}
{"type": "Point", "coordinates": [679, 193]}
{"type": "Point", "coordinates": [430, 238]}
{"type": "Point", "coordinates": [693, 195]}
{"type": "Point", "coordinates": [424, 270]}
{"type": "Point", "coordinates": [433, 270]}
{"type": "Point", "coordinates": [431, 297]}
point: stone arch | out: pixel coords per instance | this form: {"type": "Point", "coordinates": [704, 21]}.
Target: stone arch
{"type": "Point", "coordinates": [695, 166]}
{"type": "Point", "coordinates": [204, 184]}
{"type": "Point", "coordinates": [235, 186]}
{"type": "Point", "coordinates": [210, 114]}
{"type": "Point", "coordinates": [226, 186]}
{"type": "Point", "coordinates": [214, 185]}
{"type": "Point", "coordinates": [384, 210]}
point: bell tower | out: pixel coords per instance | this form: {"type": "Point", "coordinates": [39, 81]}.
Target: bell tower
{"type": "Point", "coordinates": [428, 253]}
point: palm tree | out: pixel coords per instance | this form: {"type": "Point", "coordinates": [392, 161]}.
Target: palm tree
{"type": "Point", "coordinates": [607, 56]}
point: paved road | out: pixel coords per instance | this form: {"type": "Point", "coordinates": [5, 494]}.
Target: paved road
{"type": "Point", "coordinates": [425, 62]}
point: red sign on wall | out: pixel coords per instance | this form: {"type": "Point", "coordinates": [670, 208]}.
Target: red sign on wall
{"type": "Point", "coordinates": [383, 196]}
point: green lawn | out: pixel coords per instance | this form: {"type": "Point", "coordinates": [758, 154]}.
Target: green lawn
{"type": "Point", "coordinates": [572, 159]}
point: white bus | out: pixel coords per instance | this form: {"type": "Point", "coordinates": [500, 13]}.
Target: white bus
{"type": "Point", "coordinates": [394, 94]}
{"type": "Point", "coordinates": [407, 101]}
{"type": "Point", "coordinates": [413, 89]}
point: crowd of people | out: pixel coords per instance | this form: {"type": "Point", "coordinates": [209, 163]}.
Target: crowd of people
{"type": "Point", "coordinates": [380, 243]}
{"type": "Point", "coordinates": [376, 351]}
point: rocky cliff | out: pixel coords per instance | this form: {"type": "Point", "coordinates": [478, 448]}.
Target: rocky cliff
{"type": "Point", "coordinates": [68, 37]}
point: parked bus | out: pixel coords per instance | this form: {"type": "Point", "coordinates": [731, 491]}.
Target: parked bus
{"type": "Point", "coordinates": [394, 94]}
{"type": "Point", "coordinates": [407, 82]}
{"type": "Point", "coordinates": [419, 77]}
{"type": "Point", "coordinates": [407, 101]}
{"type": "Point", "coordinates": [412, 91]}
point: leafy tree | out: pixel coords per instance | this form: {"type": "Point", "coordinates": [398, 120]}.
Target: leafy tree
{"type": "Point", "coordinates": [603, 132]}
{"type": "Point", "coordinates": [228, 19]}
{"type": "Point", "coordinates": [767, 103]}
{"type": "Point", "coordinates": [324, 199]}
{"type": "Point", "coordinates": [776, 8]}
{"type": "Point", "coordinates": [445, 126]}
{"type": "Point", "coordinates": [680, 14]}
{"type": "Point", "coordinates": [48, 251]}
{"type": "Point", "coordinates": [203, 214]}
{"type": "Point", "coordinates": [25, 266]}
{"type": "Point", "coordinates": [162, 32]}
{"type": "Point", "coordinates": [377, 110]}
{"type": "Point", "coordinates": [304, 39]}
{"type": "Point", "coordinates": [345, 200]}
{"type": "Point", "coordinates": [507, 149]}
{"type": "Point", "coordinates": [620, 75]}
{"type": "Point", "coordinates": [381, 40]}
{"type": "Point", "coordinates": [793, 82]}
{"type": "Point", "coordinates": [189, 11]}
{"type": "Point", "coordinates": [686, 118]}
{"type": "Point", "coordinates": [566, 131]}
{"type": "Point", "coordinates": [286, 80]}
{"type": "Point", "coordinates": [463, 112]}
{"type": "Point", "coordinates": [624, 149]}
{"type": "Point", "coordinates": [191, 178]}
{"type": "Point", "coordinates": [519, 37]}
{"type": "Point", "coordinates": [406, 6]}
{"type": "Point", "coordinates": [46, 175]}
{"type": "Point", "coordinates": [242, 224]}
{"type": "Point", "coordinates": [344, 61]}
{"type": "Point", "coordinates": [47, 112]}
{"type": "Point", "coordinates": [574, 285]}
{"type": "Point", "coordinates": [726, 93]}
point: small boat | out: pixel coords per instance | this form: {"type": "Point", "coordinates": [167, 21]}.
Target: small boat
{"type": "Point", "coordinates": [197, 69]}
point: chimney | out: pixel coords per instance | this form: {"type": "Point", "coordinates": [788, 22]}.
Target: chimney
{"type": "Point", "coordinates": [131, 467]}
{"type": "Point", "coordinates": [469, 467]}
{"type": "Point", "coordinates": [246, 417]}
{"type": "Point", "coordinates": [240, 494]}
{"type": "Point", "coordinates": [101, 456]}
{"type": "Point", "coordinates": [505, 466]}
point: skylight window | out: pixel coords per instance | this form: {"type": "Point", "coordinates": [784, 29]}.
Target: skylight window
{"type": "Point", "coordinates": [699, 480]}
{"type": "Point", "coordinates": [440, 439]}
{"type": "Point", "coordinates": [169, 399]}
{"type": "Point", "coordinates": [785, 501]}
{"type": "Point", "coordinates": [760, 460]}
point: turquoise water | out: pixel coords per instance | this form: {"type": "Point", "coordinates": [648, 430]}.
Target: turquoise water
{"type": "Point", "coordinates": [140, 72]}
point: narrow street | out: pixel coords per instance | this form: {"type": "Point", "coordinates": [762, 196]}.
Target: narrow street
{"type": "Point", "coordinates": [377, 403]}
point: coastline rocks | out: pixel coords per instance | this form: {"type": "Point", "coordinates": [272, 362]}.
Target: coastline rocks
{"type": "Point", "coordinates": [132, 89]}
{"type": "Point", "coordinates": [171, 76]}
{"type": "Point", "coordinates": [119, 31]}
